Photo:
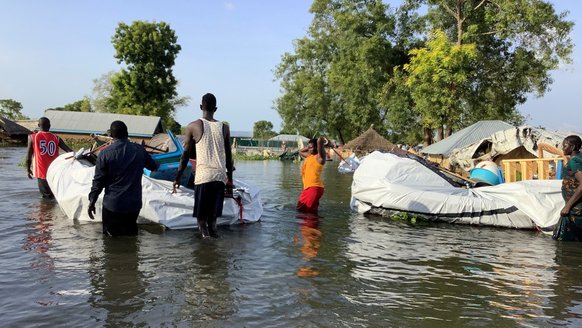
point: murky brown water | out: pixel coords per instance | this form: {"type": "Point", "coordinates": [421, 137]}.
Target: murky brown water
{"type": "Point", "coordinates": [341, 270]}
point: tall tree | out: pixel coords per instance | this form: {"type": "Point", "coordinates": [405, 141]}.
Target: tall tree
{"type": "Point", "coordinates": [146, 86]}
{"type": "Point", "coordinates": [517, 42]}
{"type": "Point", "coordinates": [101, 100]}
{"type": "Point", "coordinates": [11, 109]}
{"type": "Point", "coordinates": [438, 79]}
{"type": "Point", "coordinates": [332, 82]}
{"type": "Point", "coordinates": [263, 130]}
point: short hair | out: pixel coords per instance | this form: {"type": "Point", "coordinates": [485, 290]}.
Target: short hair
{"type": "Point", "coordinates": [209, 101]}
{"type": "Point", "coordinates": [575, 141]}
{"type": "Point", "coordinates": [119, 130]}
{"type": "Point", "coordinates": [44, 123]}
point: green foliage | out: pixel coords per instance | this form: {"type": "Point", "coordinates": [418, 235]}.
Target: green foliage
{"type": "Point", "coordinates": [407, 217]}
{"type": "Point", "coordinates": [11, 109]}
{"type": "Point", "coordinates": [102, 101]}
{"type": "Point", "coordinates": [483, 62]}
{"type": "Point", "coordinates": [146, 86]}
{"type": "Point", "coordinates": [438, 78]}
{"type": "Point", "coordinates": [253, 157]}
{"type": "Point", "coordinates": [332, 82]}
{"type": "Point", "coordinates": [517, 44]}
{"type": "Point", "coordinates": [83, 105]}
{"type": "Point", "coordinates": [263, 130]}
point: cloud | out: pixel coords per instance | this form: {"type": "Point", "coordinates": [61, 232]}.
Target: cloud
{"type": "Point", "coordinates": [229, 6]}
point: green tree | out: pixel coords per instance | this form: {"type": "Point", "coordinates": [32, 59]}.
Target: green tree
{"type": "Point", "coordinates": [146, 86]}
{"type": "Point", "coordinates": [83, 105]}
{"type": "Point", "coordinates": [11, 109]}
{"type": "Point", "coordinates": [438, 79]}
{"type": "Point", "coordinates": [101, 100]}
{"type": "Point", "coordinates": [333, 81]}
{"type": "Point", "coordinates": [263, 130]}
{"type": "Point", "coordinates": [517, 44]}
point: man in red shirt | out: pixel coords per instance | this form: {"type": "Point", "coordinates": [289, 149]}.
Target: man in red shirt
{"type": "Point", "coordinates": [44, 145]}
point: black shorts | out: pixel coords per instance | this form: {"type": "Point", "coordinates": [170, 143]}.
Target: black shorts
{"type": "Point", "coordinates": [208, 199]}
{"type": "Point", "coordinates": [119, 223]}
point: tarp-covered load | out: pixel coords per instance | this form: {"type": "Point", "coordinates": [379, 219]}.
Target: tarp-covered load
{"type": "Point", "coordinates": [71, 179]}
{"type": "Point", "coordinates": [385, 183]}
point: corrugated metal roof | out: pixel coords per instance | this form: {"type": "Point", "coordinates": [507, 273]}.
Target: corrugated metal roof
{"type": "Point", "coordinates": [466, 136]}
{"type": "Point", "coordinates": [85, 123]}
{"type": "Point", "coordinates": [289, 137]}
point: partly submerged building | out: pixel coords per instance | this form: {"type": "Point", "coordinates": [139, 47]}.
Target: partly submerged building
{"type": "Point", "coordinates": [13, 132]}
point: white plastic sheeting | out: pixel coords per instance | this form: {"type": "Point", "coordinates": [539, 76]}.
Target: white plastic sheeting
{"type": "Point", "coordinates": [503, 142]}
{"type": "Point", "coordinates": [71, 180]}
{"type": "Point", "coordinates": [349, 164]}
{"type": "Point", "coordinates": [386, 182]}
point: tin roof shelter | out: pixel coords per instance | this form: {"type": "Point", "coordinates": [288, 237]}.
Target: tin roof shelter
{"type": "Point", "coordinates": [90, 122]}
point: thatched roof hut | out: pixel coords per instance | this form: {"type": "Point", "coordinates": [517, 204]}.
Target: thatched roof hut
{"type": "Point", "coordinates": [13, 132]}
{"type": "Point", "coordinates": [369, 141]}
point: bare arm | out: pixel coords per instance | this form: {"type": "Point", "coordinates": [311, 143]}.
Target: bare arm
{"type": "Point", "coordinates": [64, 146]}
{"type": "Point", "coordinates": [228, 153]}
{"type": "Point", "coordinates": [29, 153]}
{"type": "Point", "coordinates": [322, 156]}
{"type": "Point", "coordinates": [575, 198]}
{"type": "Point", "coordinates": [193, 135]}
{"type": "Point", "coordinates": [188, 145]}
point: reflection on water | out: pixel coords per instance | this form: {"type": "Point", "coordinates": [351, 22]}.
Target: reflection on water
{"type": "Point", "coordinates": [339, 269]}
{"type": "Point", "coordinates": [117, 284]}
{"type": "Point", "coordinates": [311, 236]}
{"type": "Point", "coordinates": [39, 238]}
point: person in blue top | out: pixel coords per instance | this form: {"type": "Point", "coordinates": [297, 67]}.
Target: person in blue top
{"type": "Point", "coordinates": [119, 170]}
{"type": "Point", "coordinates": [570, 225]}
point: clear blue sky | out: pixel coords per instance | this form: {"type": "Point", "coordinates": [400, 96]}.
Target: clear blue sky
{"type": "Point", "coordinates": [51, 51]}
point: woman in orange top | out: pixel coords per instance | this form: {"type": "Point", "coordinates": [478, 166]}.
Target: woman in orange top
{"type": "Point", "coordinates": [315, 156]}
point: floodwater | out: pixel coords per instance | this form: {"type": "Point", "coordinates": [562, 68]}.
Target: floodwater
{"type": "Point", "coordinates": [339, 270]}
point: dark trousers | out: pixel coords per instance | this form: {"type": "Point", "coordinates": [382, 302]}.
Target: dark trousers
{"type": "Point", "coordinates": [119, 223]}
{"type": "Point", "coordinates": [44, 188]}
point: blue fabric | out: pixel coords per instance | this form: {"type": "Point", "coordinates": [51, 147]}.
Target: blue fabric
{"type": "Point", "coordinates": [119, 170]}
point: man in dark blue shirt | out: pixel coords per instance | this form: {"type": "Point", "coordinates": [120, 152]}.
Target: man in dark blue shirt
{"type": "Point", "coordinates": [119, 170]}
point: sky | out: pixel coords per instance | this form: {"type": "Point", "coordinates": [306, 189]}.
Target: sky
{"type": "Point", "coordinates": [52, 51]}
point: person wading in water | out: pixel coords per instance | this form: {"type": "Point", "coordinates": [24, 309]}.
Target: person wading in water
{"type": "Point", "coordinates": [45, 147]}
{"type": "Point", "coordinates": [213, 166]}
{"type": "Point", "coordinates": [314, 158]}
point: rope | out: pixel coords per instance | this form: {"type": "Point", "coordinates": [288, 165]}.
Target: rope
{"type": "Point", "coordinates": [238, 201]}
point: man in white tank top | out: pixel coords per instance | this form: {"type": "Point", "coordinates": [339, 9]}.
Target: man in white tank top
{"type": "Point", "coordinates": [213, 165]}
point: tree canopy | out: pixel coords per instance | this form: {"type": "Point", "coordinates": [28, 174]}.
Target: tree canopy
{"type": "Point", "coordinates": [430, 64]}
{"type": "Point", "coordinates": [263, 130]}
{"type": "Point", "coordinates": [146, 85]}
{"type": "Point", "coordinates": [332, 82]}
{"type": "Point", "coordinates": [11, 109]}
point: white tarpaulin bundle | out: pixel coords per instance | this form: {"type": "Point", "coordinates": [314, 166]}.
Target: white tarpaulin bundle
{"type": "Point", "coordinates": [71, 180]}
{"type": "Point", "coordinates": [386, 183]}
